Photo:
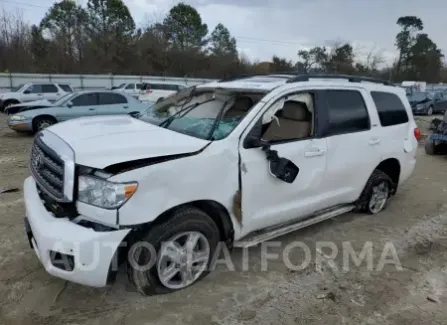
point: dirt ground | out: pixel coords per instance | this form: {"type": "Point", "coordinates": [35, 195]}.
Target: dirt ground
{"type": "Point", "coordinates": [415, 222]}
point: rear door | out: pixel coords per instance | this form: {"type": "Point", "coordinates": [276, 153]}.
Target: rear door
{"type": "Point", "coordinates": [353, 140]}
{"type": "Point", "coordinates": [83, 105]}
{"type": "Point", "coordinates": [112, 104]}
{"type": "Point", "coordinates": [50, 92]}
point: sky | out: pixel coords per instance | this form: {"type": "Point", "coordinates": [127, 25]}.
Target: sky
{"type": "Point", "coordinates": [264, 28]}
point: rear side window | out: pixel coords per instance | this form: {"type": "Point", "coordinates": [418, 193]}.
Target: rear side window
{"type": "Point", "coordinates": [347, 112]}
{"type": "Point", "coordinates": [130, 86]}
{"type": "Point", "coordinates": [139, 86]}
{"type": "Point", "coordinates": [49, 89]}
{"type": "Point", "coordinates": [66, 88]}
{"type": "Point", "coordinates": [109, 99]}
{"type": "Point", "coordinates": [164, 87]}
{"type": "Point", "coordinates": [390, 108]}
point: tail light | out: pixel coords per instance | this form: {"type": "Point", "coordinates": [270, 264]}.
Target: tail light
{"type": "Point", "coordinates": [148, 91]}
{"type": "Point", "coordinates": [417, 134]}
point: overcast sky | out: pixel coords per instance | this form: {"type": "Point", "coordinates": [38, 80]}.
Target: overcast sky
{"type": "Point", "coordinates": [266, 27]}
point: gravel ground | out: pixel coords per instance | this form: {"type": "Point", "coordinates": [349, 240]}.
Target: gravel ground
{"type": "Point", "coordinates": [323, 293]}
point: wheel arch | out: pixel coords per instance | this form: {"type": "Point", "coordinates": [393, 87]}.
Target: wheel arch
{"type": "Point", "coordinates": [392, 168]}
{"type": "Point", "coordinates": [215, 210]}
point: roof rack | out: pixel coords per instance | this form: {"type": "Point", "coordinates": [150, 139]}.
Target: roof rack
{"type": "Point", "coordinates": [350, 78]}
{"type": "Point", "coordinates": [249, 75]}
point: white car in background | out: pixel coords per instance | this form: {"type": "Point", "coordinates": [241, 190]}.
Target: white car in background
{"type": "Point", "coordinates": [130, 88]}
{"type": "Point", "coordinates": [34, 91]}
{"type": "Point", "coordinates": [155, 91]}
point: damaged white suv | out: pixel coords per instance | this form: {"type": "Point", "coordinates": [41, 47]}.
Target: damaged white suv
{"type": "Point", "coordinates": [238, 161]}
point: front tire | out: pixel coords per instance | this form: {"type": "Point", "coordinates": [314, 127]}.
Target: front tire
{"type": "Point", "coordinates": [41, 123]}
{"type": "Point", "coordinates": [178, 252]}
{"type": "Point", "coordinates": [376, 193]}
{"type": "Point", "coordinates": [430, 111]}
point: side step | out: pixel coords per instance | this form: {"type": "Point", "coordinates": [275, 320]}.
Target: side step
{"type": "Point", "coordinates": [270, 233]}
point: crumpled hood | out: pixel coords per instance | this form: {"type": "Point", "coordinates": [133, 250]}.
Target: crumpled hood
{"type": "Point", "coordinates": [99, 141]}
{"type": "Point", "coordinates": [40, 102]}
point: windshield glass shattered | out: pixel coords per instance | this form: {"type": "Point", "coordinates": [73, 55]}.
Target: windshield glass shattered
{"type": "Point", "coordinates": [206, 114]}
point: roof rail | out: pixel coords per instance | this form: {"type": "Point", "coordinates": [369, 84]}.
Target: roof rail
{"type": "Point", "coordinates": [249, 75]}
{"type": "Point", "coordinates": [350, 78]}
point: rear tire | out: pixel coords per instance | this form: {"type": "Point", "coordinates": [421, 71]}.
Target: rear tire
{"type": "Point", "coordinates": [186, 220]}
{"type": "Point", "coordinates": [429, 145]}
{"type": "Point", "coordinates": [376, 193]}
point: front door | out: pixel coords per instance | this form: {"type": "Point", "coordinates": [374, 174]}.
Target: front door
{"type": "Point", "coordinates": [81, 105]}
{"type": "Point", "coordinates": [292, 133]}
{"type": "Point", "coordinates": [32, 93]}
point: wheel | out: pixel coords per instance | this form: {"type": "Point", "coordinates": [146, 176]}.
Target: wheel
{"type": "Point", "coordinates": [41, 123]}
{"type": "Point", "coordinates": [430, 111]}
{"type": "Point", "coordinates": [160, 99]}
{"type": "Point", "coordinates": [429, 146]}
{"type": "Point", "coordinates": [376, 193]}
{"type": "Point", "coordinates": [9, 103]}
{"type": "Point", "coordinates": [174, 254]}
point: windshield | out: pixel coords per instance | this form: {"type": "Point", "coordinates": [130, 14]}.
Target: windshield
{"type": "Point", "coordinates": [207, 114]}
{"type": "Point", "coordinates": [62, 100]}
{"type": "Point", "coordinates": [16, 89]}
{"type": "Point", "coordinates": [419, 96]}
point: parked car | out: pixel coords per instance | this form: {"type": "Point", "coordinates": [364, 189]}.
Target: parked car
{"type": "Point", "coordinates": [232, 162]}
{"type": "Point", "coordinates": [156, 91]}
{"type": "Point", "coordinates": [132, 88]}
{"type": "Point", "coordinates": [436, 141]}
{"type": "Point", "coordinates": [34, 91]}
{"type": "Point", "coordinates": [78, 104]}
{"type": "Point", "coordinates": [428, 103]}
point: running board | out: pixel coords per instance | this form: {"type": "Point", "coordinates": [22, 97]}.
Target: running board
{"type": "Point", "coordinates": [270, 233]}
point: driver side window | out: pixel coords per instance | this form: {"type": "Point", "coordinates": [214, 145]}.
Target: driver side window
{"type": "Point", "coordinates": [292, 118]}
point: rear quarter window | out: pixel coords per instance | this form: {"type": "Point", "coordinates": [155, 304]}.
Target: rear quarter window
{"type": "Point", "coordinates": [390, 108]}
{"type": "Point", "coordinates": [66, 88]}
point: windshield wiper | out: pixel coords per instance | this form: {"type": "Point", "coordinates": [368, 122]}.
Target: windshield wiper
{"type": "Point", "coordinates": [169, 120]}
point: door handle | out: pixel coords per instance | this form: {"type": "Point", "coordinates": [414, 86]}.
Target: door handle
{"type": "Point", "coordinates": [125, 106]}
{"type": "Point", "coordinates": [374, 141]}
{"type": "Point", "coordinates": [91, 109]}
{"type": "Point", "coordinates": [314, 153]}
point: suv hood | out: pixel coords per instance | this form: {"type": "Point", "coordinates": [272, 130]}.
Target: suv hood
{"type": "Point", "coordinates": [99, 142]}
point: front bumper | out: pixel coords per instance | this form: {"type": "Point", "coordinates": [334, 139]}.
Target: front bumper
{"type": "Point", "coordinates": [92, 251]}
{"type": "Point", "coordinates": [21, 126]}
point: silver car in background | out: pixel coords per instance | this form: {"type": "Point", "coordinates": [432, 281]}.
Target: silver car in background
{"type": "Point", "coordinates": [78, 104]}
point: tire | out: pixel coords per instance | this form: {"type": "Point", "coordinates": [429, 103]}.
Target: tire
{"type": "Point", "coordinates": [376, 179]}
{"type": "Point", "coordinates": [429, 146]}
{"type": "Point", "coordinates": [430, 111]}
{"type": "Point", "coordinates": [182, 220]}
{"type": "Point", "coordinates": [40, 123]}
{"type": "Point", "coordinates": [160, 99]}
{"type": "Point", "coordinates": [9, 103]}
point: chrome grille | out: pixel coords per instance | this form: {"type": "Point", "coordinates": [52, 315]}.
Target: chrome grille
{"type": "Point", "coordinates": [47, 169]}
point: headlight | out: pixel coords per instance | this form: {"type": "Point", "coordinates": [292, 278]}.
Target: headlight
{"type": "Point", "coordinates": [103, 193]}
{"type": "Point", "coordinates": [17, 118]}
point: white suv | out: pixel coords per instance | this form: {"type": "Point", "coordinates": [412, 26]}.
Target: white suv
{"type": "Point", "coordinates": [34, 91]}
{"type": "Point", "coordinates": [156, 91]}
{"type": "Point", "coordinates": [238, 162]}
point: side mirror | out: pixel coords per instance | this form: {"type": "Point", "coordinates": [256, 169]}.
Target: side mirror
{"type": "Point", "coordinates": [27, 91]}
{"type": "Point", "coordinates": [70, 104]}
